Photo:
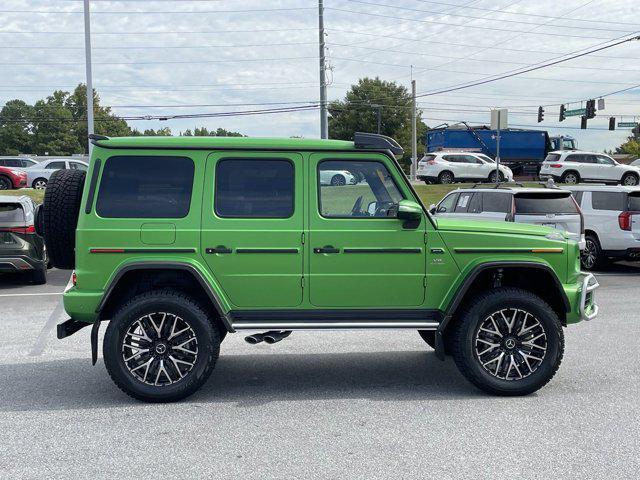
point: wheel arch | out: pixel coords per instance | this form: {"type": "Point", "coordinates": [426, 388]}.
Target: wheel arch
{"type": "Point", "coordinates": [540, 279]}
{"type": "Point", "coordinates": [138, 277]}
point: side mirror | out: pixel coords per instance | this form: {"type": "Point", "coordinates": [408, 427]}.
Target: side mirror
{"type": "Point", "coordinates": [409, 210]}
{"type": "Point", "coordinates": [432, 209]}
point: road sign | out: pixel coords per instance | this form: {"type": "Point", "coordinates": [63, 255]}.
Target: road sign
{"type": "Point", "coordinates": [575, 113]}
{"type": "Point", "coordinates": [627, 124]}
{"type": "Point", "coordinates": [499, 119]}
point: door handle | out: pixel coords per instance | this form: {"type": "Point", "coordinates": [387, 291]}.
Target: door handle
{"type": "Point", "coordinates": [219, 249]}
{"type": "Point", "coordinates": [326, 249]}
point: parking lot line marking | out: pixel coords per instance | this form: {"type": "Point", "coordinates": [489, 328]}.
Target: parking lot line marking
{"type": "Point", "coordinates": [41, 341]}
{"type": "Point", "coordinates": [29, 294]}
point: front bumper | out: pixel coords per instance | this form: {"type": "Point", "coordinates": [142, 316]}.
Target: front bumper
{"type": "Point", "coordinates": [588, 306]}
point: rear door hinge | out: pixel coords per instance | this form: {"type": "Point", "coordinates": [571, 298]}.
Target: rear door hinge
{"type": "Point", "coordinates": [302, 282]}
{"type": "Point", "coordinates": [426, 239]}
{"type": "Point", "coordinates": [302, 238]}
{"type": "Point", "coordinates": [424, 281]}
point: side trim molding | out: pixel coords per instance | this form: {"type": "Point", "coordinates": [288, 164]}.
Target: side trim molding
{"type": "Point", "coordinates": [382, 250]}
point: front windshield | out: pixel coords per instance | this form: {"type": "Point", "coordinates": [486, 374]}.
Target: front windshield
{"type": "Point", "coordinates": [568, 144]}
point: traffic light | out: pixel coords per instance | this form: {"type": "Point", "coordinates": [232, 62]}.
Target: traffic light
{"type": "Point", "coordinates": [563, 111]}
{"type": "Point", "coordinates": [540, 114]}
{"type": "Point", "coordinates": [612, 123]}
{"type": "Point", "coordinates": [583, 123]}
{"type": "Point", "coordinates": [591, 109]}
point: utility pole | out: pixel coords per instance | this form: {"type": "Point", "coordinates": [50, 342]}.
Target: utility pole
{"type": "Point", "coordinates": [87, 57]}
{"type": "Point", "coordinates": [414, 133]}
{"type": "Point", "coordinates": [378, 115]}
{"type": "Point", "coordinates": [324, 125]}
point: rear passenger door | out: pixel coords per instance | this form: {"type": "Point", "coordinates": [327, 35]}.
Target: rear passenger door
{"type": "Point", "coordinates": [252, 224]}
{"type": "Point", "coordinates": [496, 205]}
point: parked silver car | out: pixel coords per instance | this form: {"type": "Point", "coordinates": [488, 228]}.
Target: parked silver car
{"type": "Point", "coordinates": [548, 207]}
{"type": "Point", "coordinates": [38, 175]}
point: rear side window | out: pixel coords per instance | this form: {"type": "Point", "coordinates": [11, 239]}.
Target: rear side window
{"type": "Point", "coordinates": [55, 166]}
{"type": "Point", "coordinates": [11, 214]}
{"type": "Point", "coordinates": [553, 157]}
{"type": "Point", "coordinates": [496, 202]}
{"type": "Point", "coordinates": [536, 204]}
{"type": "Point", "coordinates": [578, 197]}
{"type": "Point", "coordinates": [608, 201]}
{"type": "Point", "coordinates": [468, 203]}
{"type": "Point", "coordinates": [145, 187]}
{"type": "Point", "coordinates": [428, 158]}
{"type": "Point", "coordinates": [634, 202]}
{"type": "Point", "coordinates": [248, 188]}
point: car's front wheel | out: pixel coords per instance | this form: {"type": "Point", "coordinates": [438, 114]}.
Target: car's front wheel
{"type": "Point", "coordinates": [161, 346]}
{"type": "Point", "coordinates": [338, 180]}
{"type": "Point", "coordinates": [591, 257]}
{"type": "Point", "coordinates": [629, 180]}
{"type": "Point", "coordinates": [5, 183]}
{"type": "Point", "coordinates": [39, 183]}
{"type": "Point", "coordinates": [492, 177]}
{"type": "Point", "coordinates": [508, 341]}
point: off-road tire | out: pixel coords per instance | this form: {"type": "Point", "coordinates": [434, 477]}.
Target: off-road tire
{"type": "Point", "coordinates": [592, 247]}
{"type": "Point", "coordinates": [469, 321]}
{"type": "Point", "coordinates": [632, 178]}
{"type": "Point", "coordinates": [569, 176]}
{"type": "Point", "coordinates": [208, 345]}
{"type": "Point", "coordinates": [5, 183]}
{"type": "Point", "coordinates": [59, 212]}
{"type": "Point", "coordinates": [446, 178]}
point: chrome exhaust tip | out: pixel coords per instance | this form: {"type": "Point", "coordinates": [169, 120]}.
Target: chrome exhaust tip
{"type": "Point", "coordinates": [255, 338]}
{"type": "Point", "coordinates": [273, 337]}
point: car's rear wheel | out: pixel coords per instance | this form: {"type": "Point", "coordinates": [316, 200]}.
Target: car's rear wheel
{"type": "Point", "coordinates": [591, 257]}
{"type": "Point", "coordinates": [5, 183]}
{"type": "Point", "coordinates": [57, 218]}
{"type": "Point", "coordinates": [338, 180]}
{"type": "Point", "coordinates": [161, 346]}
{"type": "Point", "coordinates": [445, 178]}
{"type": "Point", "coordinates": [508, 341]}
{"type": "Point", "coordinates": [570, 178]}
{"type": "Point", "coordinates": [629, 180]}
{"type": "Point", "coordinates": [39, 183]}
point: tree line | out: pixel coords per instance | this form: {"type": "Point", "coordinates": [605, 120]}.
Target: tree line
{"type": "Point", "coordinates": [57, 125]}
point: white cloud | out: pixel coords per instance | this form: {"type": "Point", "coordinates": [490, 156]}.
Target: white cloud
{"type": "Point", "coordinates": [126, 72]}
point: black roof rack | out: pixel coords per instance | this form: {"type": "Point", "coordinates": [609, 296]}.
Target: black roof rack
{"type": "Point", "coordinates": [496, 185]}
{"type": "Point", "coordinates": [374, 141]}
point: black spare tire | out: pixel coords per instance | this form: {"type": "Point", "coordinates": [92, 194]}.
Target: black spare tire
{"type": "Point", "coordinates": [59, 216]}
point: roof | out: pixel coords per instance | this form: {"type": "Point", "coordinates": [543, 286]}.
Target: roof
{"type": "Point", "coordinates": [560, 152]}
{"type": "Point", "coordinates": [508, 189]}
{"type": "Point", "coordinates": [225, 142]}
{"type": "Point", "coordinates": [602, 188]}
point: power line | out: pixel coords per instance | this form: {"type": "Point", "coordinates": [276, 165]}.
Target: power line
{"type": "Point", "coordinates": [161, 62]}
{"type": "Point", "coordinates": [152, 47]}
{"type": "Point", "coordinates": [396, 7]}
{"type": "Point", "coordinates": [169, 32]}
{"type": "Point", "coordinates": [164, 12]}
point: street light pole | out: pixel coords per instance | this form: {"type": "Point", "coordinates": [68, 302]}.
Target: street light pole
{"type": "Point", "coordinates": [414, 133]}
{"type": "Point", "coordinates": [324, 125]}
{"type": "Point", "coordinates": [87, 55]}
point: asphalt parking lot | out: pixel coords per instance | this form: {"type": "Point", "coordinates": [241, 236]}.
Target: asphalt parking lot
{"type": "Point", "coordinates": [319, 405]}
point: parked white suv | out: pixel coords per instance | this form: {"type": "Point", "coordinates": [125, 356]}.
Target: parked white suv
{"type": "Point", "coordinates": [449, 167]}
{"type": "Point", "coordinates": [612, 223]}
{"type": "Point", "coordinates": [548, 207]}
{"type": "Point", "coordinates": [573, 167]}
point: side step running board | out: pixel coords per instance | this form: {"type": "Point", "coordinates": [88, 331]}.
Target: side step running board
{"type": "Point", "coordinates": [333, 325]}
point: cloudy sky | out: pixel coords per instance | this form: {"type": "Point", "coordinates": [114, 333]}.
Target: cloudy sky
{"type": "Point", "coordinates": [203, 56]}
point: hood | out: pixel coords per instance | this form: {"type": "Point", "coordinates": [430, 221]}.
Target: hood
{"type": "Point", "coordinates": [460, 225]}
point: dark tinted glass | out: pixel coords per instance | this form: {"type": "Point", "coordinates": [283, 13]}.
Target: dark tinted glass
{"type": "Point", "coordinates": [11, 214]}
{"type": "Point", "coordinates": [464, 202]}
{"type": "Point", "coordinates": [254, 188]}
{"type": "Point", "coordinates": [608, 201]}
{"type": "Point", "coordinates": [55, 166]}
{"type": "Point", "coordinates": [552, 157]}
{"type": "Point", "coordinates": [447, 205]}
{"type": "Point", "coordinates": [534, 204]}
{"type": "Point", "coordinates": [496, 202]}
{"type": "Point", "coordinates": [578, 197]}
{"type": "Point", "coordinates": [634, 202]}
{"type": "Point", "coordinates": [145, 187]}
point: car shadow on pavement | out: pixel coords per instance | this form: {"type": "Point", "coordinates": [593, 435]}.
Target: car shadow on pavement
{"type": "Point", "coordinates": [55, 278]}
{"type": "Point", "coordinates": [247, 380]}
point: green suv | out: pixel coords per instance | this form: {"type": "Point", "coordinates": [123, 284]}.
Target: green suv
{"type": "Point", "coordinates": [179, 241]}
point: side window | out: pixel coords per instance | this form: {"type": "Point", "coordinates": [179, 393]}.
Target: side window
{"type": "Point", "coordinates": [254, 188]}
{"type": "Point", "coordinates": [496, 202]}
{"type": "Point", "coordinates": [608, 201]}
{"type": "Point", "coordinates": [145, 187]}
{"type": "Point", "coordinates": [603, 160]}
{"type": "Point", "coordinates": [592, 159]}
{"type": "Point", "coordinates": [77, 166]}
{"type": "Point", "coordinates": [448, 204]}
{"type": "Point", "coordinates": [464, 202]}
{"type": "Point", "coordinates": [473, 160]}
{"type": "Point", "coordinates": [454, 158]}
{"type": "Point", "coordinates": [372, 196]}
{"type": "Point", "coordinates": [576, 158]}
{"type": "Point", "coordinates": [55, 166]}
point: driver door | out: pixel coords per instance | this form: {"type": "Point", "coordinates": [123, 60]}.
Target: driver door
{"type": "Point", "coordinates": [361, 256]}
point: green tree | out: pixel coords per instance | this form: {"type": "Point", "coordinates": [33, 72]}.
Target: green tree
{"type": "Point", "coordinates": [15, 128]}
{"type": "Point", "coordinates": [54, 127]}
{"type": "Point", "coordinates": [632, 145]}
{"type": "Point", "coordinates": [358, 112]}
